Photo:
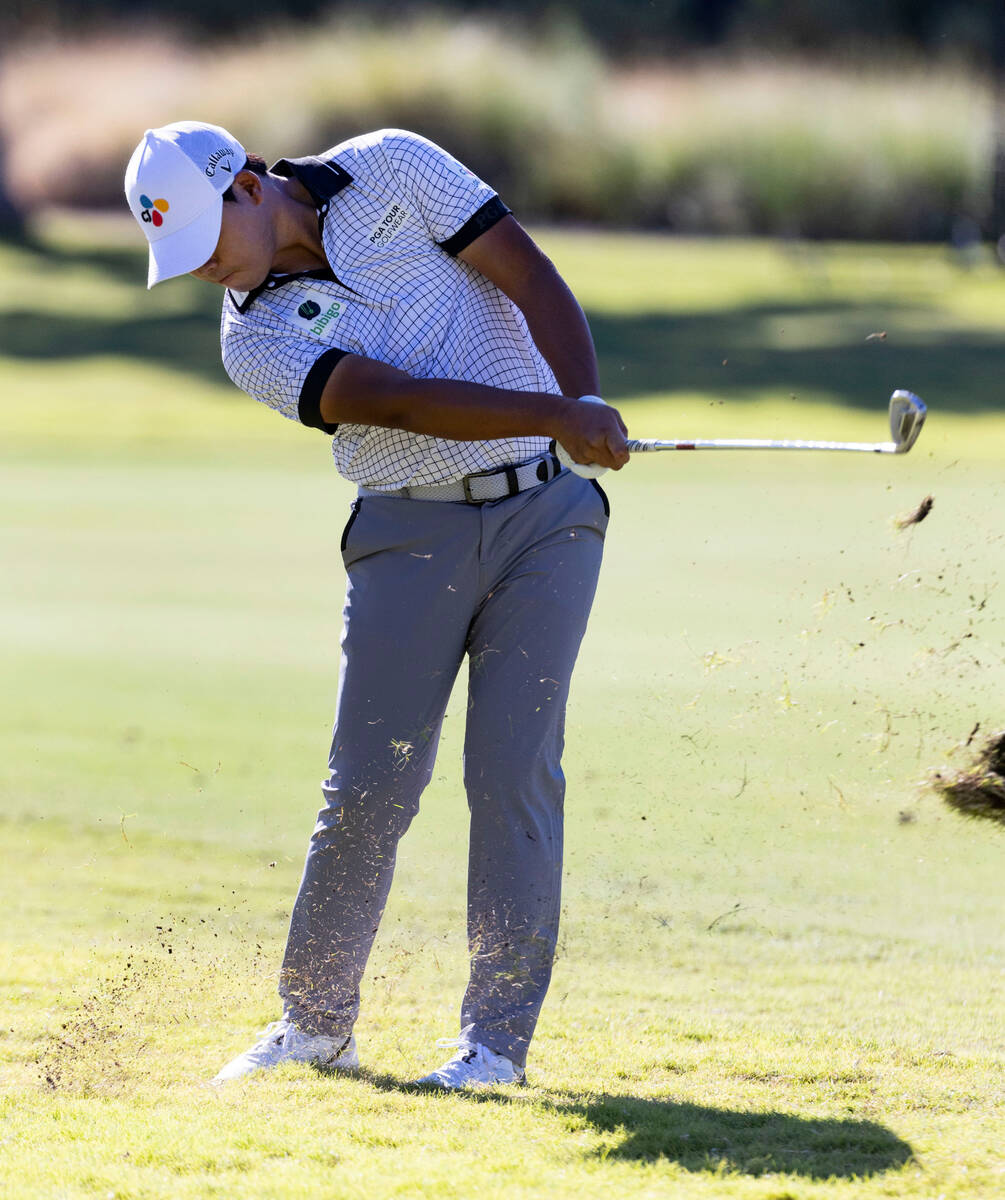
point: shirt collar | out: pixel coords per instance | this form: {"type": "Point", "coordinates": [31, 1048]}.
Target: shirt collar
{"type": "Point", "coordinates": [323, 179]}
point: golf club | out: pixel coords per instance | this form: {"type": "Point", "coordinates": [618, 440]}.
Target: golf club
{"type": "Point", "coordinates": [907, 415]}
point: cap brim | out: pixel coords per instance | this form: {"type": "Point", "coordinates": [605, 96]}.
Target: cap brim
{"type": "Point", "coordinates": [188, 248]}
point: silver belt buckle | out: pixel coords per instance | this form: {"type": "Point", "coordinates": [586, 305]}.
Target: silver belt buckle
{"type": "Point", "coordinates": [466, 483]}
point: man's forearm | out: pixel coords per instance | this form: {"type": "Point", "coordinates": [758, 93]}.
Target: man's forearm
{"type": "Point", "coordinates": [451, 408]}
{"type": "Point", "coordinates": [361, 391]}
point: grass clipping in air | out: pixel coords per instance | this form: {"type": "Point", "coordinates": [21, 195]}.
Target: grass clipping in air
{"type": "Point", "coordinates": [980, 790]}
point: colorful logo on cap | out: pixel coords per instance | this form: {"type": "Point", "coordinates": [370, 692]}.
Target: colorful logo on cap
{"type": "Point", "coordinates": [153, 210]}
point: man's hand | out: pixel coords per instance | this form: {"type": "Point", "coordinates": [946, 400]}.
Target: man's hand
{"type": "Point", "coordinates": [593, 433]}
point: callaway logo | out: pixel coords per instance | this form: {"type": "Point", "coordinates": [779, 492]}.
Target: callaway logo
{"type": "Point", "coordinates": [317, 311]}
{"type": "Point", "coordinates": [216, 160]}
{"type": "Point", "coordinates": [152, 210]}
{"type": "Point", "coordinates": [389, 224]}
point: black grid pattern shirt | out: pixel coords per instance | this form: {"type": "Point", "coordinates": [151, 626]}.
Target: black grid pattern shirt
{"type": "Point", "coordinates": [394, 210]}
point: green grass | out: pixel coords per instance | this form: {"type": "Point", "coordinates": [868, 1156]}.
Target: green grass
{"type": "Point", "coordinates": [781, 959]}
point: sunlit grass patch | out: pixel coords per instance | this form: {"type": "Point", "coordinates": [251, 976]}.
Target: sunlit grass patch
{"type": "Point", "coordinates": [779, 958]}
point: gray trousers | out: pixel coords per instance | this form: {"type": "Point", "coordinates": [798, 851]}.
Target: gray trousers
{"type": "Point", "coordinates": [510, 584]}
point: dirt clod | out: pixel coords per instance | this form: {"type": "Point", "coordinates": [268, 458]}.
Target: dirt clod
{"type": "Point", "coordinates": [916, 515]}
{"type": "Point", "coordinates": [979, 791]}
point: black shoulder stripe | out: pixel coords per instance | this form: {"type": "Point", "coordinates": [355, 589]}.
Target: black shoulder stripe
{"type": "Point", "coordinates": [322, 177]}
{"type": "Point", "coordinates": [309, 404]}
{"type": "Point", "coordinates": [490, 213]}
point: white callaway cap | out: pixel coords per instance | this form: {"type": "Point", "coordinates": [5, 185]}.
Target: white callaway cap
{"type": "Point", "coordinates": [174, 184]}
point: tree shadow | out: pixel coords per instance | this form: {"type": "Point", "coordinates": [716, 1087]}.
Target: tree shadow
{"type": "Point", "coordinates": [811, 348]}
{"type": "Point", "coordinates": [701, 1138]}
{"type": "Point", "coordinates": [188, 342]}
{"type": "Point", "coordinates": [178, 328]}
{"type": "Point", "coordinates": [126, 263]}
{"type": "Point", "coordinates": [860, 352]}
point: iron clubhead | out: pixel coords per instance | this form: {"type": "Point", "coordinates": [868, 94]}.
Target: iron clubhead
{"type": "Point", "coordinates": [907, 415]}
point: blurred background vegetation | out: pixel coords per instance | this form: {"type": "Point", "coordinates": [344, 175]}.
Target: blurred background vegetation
{"type": "Point", "coordinates": [868, 119]}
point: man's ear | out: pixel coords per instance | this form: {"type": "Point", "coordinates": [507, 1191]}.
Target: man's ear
{"type": "Point", "coordinates": [250, 185]}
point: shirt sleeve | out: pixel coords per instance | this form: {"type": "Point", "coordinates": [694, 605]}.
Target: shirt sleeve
{"type": "Point", "coordinates": [456, 205]}
{"type": "Point", "coordinates": [286, 373]}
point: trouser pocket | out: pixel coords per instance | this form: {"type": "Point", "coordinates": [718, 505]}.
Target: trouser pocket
{"type": "Point", "coordinates": [603, 496]}
{"type": "Point", "coordinates": [356, 505]}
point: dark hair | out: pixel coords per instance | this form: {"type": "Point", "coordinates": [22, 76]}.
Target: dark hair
{"type": "Point", "coordinates": [255, 163]}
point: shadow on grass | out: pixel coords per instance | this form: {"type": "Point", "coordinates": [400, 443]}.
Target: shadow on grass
{"type": "Point", "coordinates": [639, 354]}
{"type": "Point", "coordinates": [751, 1143]}
{"type": "Point", "coordinates": [809, 348]}
{"type": "Point", "coordinates": [175, 326]}
{"type": "Point", "coordinates": [186, 342]}
{"type": "Point", "coordinates": [730, 352]}
{"type": "Point", "coordinates": [126, 263]}
{"type": "Point", "coordinates": [700, 1138]}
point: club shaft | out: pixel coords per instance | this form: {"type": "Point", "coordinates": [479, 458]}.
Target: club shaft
{"type": "Point", "coordinates": [644, 445]}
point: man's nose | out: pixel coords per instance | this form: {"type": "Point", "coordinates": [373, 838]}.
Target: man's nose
{"type": "Point", "coordinates": [207, 270]}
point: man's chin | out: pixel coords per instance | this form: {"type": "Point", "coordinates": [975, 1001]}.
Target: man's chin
{"type": "Point", "coordinates": [242, 281]}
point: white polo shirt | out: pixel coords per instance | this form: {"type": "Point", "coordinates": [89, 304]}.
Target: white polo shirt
{"type": "Point", "coordinates": [394, 210]}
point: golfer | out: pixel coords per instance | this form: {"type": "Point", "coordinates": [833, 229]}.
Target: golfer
{"type": "Point", "coordinates": [384, 295]}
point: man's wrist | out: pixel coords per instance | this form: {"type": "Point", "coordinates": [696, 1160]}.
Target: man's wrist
{"type": "Point", "coordinates": [564, 416]}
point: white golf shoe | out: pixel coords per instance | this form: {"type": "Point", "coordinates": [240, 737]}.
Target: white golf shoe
{"type": "Point", "coordinates": [283, 1042]}
{"type": "Point", "coordinates": [474, 1065]}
